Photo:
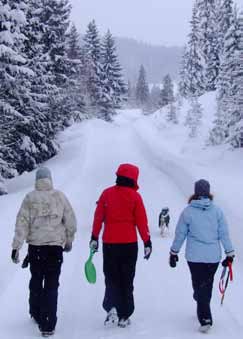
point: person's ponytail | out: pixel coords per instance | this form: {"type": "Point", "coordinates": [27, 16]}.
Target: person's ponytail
{"type": "Point", "coordinates": [197, 197]}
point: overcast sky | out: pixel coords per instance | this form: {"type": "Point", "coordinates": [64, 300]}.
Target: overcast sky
{"type": "Point", "coordinates": [155, 21]}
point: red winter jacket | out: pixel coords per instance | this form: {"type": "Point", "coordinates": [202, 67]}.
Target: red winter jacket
{"type": "Point", "coordinates": [121, 209]}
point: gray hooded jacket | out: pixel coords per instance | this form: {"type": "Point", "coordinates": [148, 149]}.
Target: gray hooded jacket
{"type": "Point", "coordinates": [45, 217]}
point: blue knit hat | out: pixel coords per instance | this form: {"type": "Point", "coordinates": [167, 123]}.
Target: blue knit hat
{"type": "Point", "coordinates": [202, 188]}
{"type": "Point", "coordinates": [43, 173]}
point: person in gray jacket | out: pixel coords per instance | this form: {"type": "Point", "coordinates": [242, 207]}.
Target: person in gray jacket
{"type": "Point", "coordinates": [204, 226]}
{"type": "Point", "coordinates": [46, 221]}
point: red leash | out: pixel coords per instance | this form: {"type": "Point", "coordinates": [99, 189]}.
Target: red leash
{"type": "Point", "coordinates": [224, 284]}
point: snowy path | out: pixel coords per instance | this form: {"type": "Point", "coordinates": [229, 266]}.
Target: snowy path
{"type": "Point", "coordinates": [87, 163]}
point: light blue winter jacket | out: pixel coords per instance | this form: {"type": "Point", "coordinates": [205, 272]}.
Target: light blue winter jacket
{"type": "Point", "coordinates": [205, 228]}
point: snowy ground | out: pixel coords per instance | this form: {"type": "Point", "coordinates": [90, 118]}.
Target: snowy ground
{"type": "Point", "coordinates": [91, 152]}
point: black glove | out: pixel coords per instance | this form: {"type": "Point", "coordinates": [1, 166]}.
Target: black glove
{"type": "Point", "coordinates": [15, 256]}
{"type": "Point", "coordinates": [68, 247]}
{"type": "Point", "coordinates": [147, 249]}
{"type": "Point", "coordinates": [227, 260]}
{"type": "Point", "coordinates": [26, 261]}
{"type": "Point", "coordinates": [173, 259]}
{"type": "Point", "coordinates": [94, 243]}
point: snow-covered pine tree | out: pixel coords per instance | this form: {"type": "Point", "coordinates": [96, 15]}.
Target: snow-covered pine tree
{"type": "Point", "coordinates": [209, 40]}
{"type": "Point", "coordinates": [194, 65]}
{"type": "Point", "coordinates": [84, 73]}
{"type": "Point", "coordinates": [73, 44]}
{"type": "Point", "coordinates": [142, 90]}
{"type": "Point", "coordinates": [33, 59]}
{"type": "Point", "coordinates": [167, 92]}
{"type": "Point", "coordinates": [213, 61]}
{"type": "Point", "coordinates": [225, 85]}
{"type": "Point", "coordinates": [75, 90]}
{"type": "Point", "coordinates": [220, 131]}
{"type": "Point", "coordinates": [236, 117]}
{"type": "Point", "coordinates": [225, 20]}
{"type": "Point", "coordinates": [35, 73]}
{"type": "Point", "coordinates": [38, 142]}
{"type": "Point", "coordinates": [8, 57]}
{"type": "Point", "coordinates": [94, 81]}
{"type": "Point", "coordinates": [183, 82]}
{"type": "Point", "coordinates": [115, 87]}
{"type": "Point", "coordinates": [155, 97]}
{"type": "Point", "coordinates": [55, 20]}
{"type": "Point", "coordinates": [232, 36]}
{"type": "Point", "coordinates": [15, 86]}
{"type": "Point", "coordinates": [194, 116]}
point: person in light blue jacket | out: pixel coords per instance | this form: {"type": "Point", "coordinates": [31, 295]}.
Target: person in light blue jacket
{"type": "Point", "coordinates": [204, 227]}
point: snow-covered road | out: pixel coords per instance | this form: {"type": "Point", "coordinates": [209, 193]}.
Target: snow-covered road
{"type": "Point", "coordinates": [90, 155]}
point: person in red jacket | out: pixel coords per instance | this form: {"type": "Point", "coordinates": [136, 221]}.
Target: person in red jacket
{"type": "Point", "coordinates": [120, 208]}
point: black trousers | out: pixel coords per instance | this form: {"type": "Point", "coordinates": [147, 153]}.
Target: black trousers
{"type": "Point", "coordinates": [202, 282]}
{"type": "Point", "coordinates": [119, 270]}
{"type": "Point", "coordinates": [45, 268]}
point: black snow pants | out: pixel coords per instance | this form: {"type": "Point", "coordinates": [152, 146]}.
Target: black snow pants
{"type": "Point", "coordinates": [45, 268]}
{"type": "Point", "coordinates": [202, 282]}
{"type": "Point", "coordinates": [119, 270]}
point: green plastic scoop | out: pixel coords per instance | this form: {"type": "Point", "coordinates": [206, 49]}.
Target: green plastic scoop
{"type": "Point", "coordinates": [89, 269]}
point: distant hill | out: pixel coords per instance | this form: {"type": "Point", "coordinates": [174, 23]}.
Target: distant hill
{"type": "Point", "coordinates": [157, 60]}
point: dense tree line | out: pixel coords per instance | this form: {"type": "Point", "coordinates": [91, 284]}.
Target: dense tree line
{"type": "Point", "coordinates": [213, 61]}
{"type": "Point", "coordinates": [49, 79]}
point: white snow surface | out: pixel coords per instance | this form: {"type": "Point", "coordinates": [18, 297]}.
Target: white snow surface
{"type": "Point", "coordinates": [169, 164]}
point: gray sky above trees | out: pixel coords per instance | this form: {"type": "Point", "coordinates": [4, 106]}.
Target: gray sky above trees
{"type": "Point", "coordinates": [155, 21]}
